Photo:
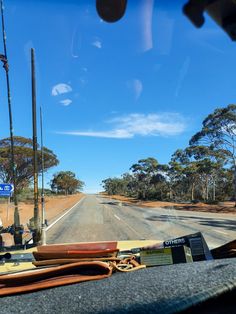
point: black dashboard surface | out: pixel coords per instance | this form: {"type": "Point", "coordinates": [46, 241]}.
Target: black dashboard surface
{"type": "Point", "coordinates": [164, 289]}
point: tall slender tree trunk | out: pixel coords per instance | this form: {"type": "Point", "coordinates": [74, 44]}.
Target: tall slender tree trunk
{"type": "Point", "coordinates": [235, 183]}
{"type": "Point", "coordinates": [214, 189]}
{"type": "Point", "coordinates": [203, 189]}
{"type": "Point", "coordinates": [170, 194]}
{"type": "Point", "coordinates": [207, 188]}
{"type": "Point", "coordinates": [192, 191]}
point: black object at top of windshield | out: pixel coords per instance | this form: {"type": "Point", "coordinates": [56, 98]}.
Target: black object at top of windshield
{"type": "Point", "coordinates": [111, 10]}
{"type": "Point", "coordinates": [223, 12]}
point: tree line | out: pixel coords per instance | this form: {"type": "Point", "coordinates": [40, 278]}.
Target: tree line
{"type": "Point", "coordinates": [203, 171]}
{"type": "Point", "coordinates": [63, 182]}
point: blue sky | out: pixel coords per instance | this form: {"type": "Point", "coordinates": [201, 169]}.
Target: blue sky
{"type": "Point", "coordinates": [114, 93]}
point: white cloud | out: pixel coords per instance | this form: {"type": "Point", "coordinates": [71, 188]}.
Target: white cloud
{"type": "Point", "coordinates": [164, 124]}
{"type": "Point", "coordinates": [136, 86]}
{"type": "Point", "coordinates": [66, 102]}
{"type": "Point", "coordinates": [106, 134]}
{"type": "Point", "coordinates": [97, 43]}
{"type": "Point", "coordinates": [61, 88]}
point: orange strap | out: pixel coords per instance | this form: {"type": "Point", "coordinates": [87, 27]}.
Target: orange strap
{"type": "Point", "coordinates": [53, 277]}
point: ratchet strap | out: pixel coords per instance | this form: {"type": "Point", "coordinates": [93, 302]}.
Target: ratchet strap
{"type": "Point", "coordinates": [55, 269]}
{"type": "Point", "coordinates": [44, 255]}
{"type": "Point", "coordinates": [34, 280]}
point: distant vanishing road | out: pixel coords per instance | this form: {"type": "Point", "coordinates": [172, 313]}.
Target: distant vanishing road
{"type": "Point", "coordinates": [96, 218]}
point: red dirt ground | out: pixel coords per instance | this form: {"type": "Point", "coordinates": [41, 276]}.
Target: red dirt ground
{"type": "Point", "coordinates": [54, 205]}
{"type": "Point", "coordinates": [224, 207]}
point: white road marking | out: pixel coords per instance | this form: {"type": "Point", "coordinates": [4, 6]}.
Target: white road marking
{"type": "Point", "coordinates": [221, 232]}
{"type": "Point", "coordinates": [67, 212]}
{"type": "Point", "coordinates": [122, 220]}
{"type": "Point", "coordinates": [117, 217]}
{"type": "Point", "coordinates": [131, 228]}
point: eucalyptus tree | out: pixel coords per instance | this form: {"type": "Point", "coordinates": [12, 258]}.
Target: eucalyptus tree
{"type": "Point", "coordinates": [185, 172]}
{"type": "Point", "coordinates": [150, 179]}
{"type": "Point", "coordinates": [219, 133]}
{"type": "Point", "coordinates": [130, 184]}
{"type": "Point", "coordinates": [114, 186]}
{"type": "Point", "coordinates": [66, 182]}
{"type": "Point", "coordinates": [176, 179]}
{"type": "Point", "coordinates": [23, 156]}
{"type": "Point", "coordinates": [197, 169]}
{"type": "Point", "coordinates": [210, 164]}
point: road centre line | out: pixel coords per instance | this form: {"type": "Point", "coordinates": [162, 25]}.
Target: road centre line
{"type": "Point", "coordinates": [67, 212]}
{"type": "Point", "coordinates": [117, 217]}
{"type": "Point", "coordinates": [220, 232]}
{"type": "Point", "coordinates": [131, 228]}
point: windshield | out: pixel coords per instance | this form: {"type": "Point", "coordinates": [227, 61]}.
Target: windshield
{"type": "Point", "coordinates": [137, 122]}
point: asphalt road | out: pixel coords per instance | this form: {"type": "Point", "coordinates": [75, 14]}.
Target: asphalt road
{"type": "Point", "coordinates": [96, 218]}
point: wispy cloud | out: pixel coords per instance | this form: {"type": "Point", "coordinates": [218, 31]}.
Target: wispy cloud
{"type": "Point", "coordinates": [136, 86]}
{"type": "Point", "coordinates": [105, 134]}
{"type": "Point", "coordinates": [66, 102]}
{"type": "Point", "coordinates": [124, 127]}
{"type": "Point", "coordinates": [61, 88]}
{"type": "Point", "coordinates": [97, 43]}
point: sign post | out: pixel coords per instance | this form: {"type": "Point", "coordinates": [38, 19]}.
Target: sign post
{"type": "Point", "coordinates": [37, 227]}
{"type": "Point", "coordinates": [8, 206]}
{"type": "Point", "coordinates": [6, 190]}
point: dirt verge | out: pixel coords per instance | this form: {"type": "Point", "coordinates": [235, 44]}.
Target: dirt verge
{"type": "Point", "coordinates": [54, 206]}
{"type": "Point", "coordinates": [224, 207]}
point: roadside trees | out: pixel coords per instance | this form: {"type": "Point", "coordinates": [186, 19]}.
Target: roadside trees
{"type": "Point", "coordinates": [23, 151]}
{"type": "Point", "coordinates": [219, 133]}
{"type": "Point", "coordinates": [149, 178]}
{"type": "Point", "coordinates": [114, 186]}
{"type": "Point", "coordinates": [184, 173]}
{"type": "Point", "coordinates": [196, 172]}
{"type": "Point", "coordinates": [211, 169]}
{"type": "Point", "coordinates": [146, 180]}
{"type": "Point", "coordinates": [66, 182]}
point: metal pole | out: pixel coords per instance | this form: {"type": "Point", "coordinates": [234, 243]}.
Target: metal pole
{"type": "Point", "coordinates": [18, 237]}
{"type": "Point", "coordinates": [36, 235]}
{"type": "Point", "coordinates": [43, 237]}
{"type": "Point", "coordinates": [8, 205]}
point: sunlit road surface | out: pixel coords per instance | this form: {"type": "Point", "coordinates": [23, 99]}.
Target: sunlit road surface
{"type": "Point", "coordinates": [100, 219]}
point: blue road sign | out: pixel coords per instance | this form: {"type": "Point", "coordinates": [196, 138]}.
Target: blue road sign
{"type": "Point", "coordinates": [6, 189]}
